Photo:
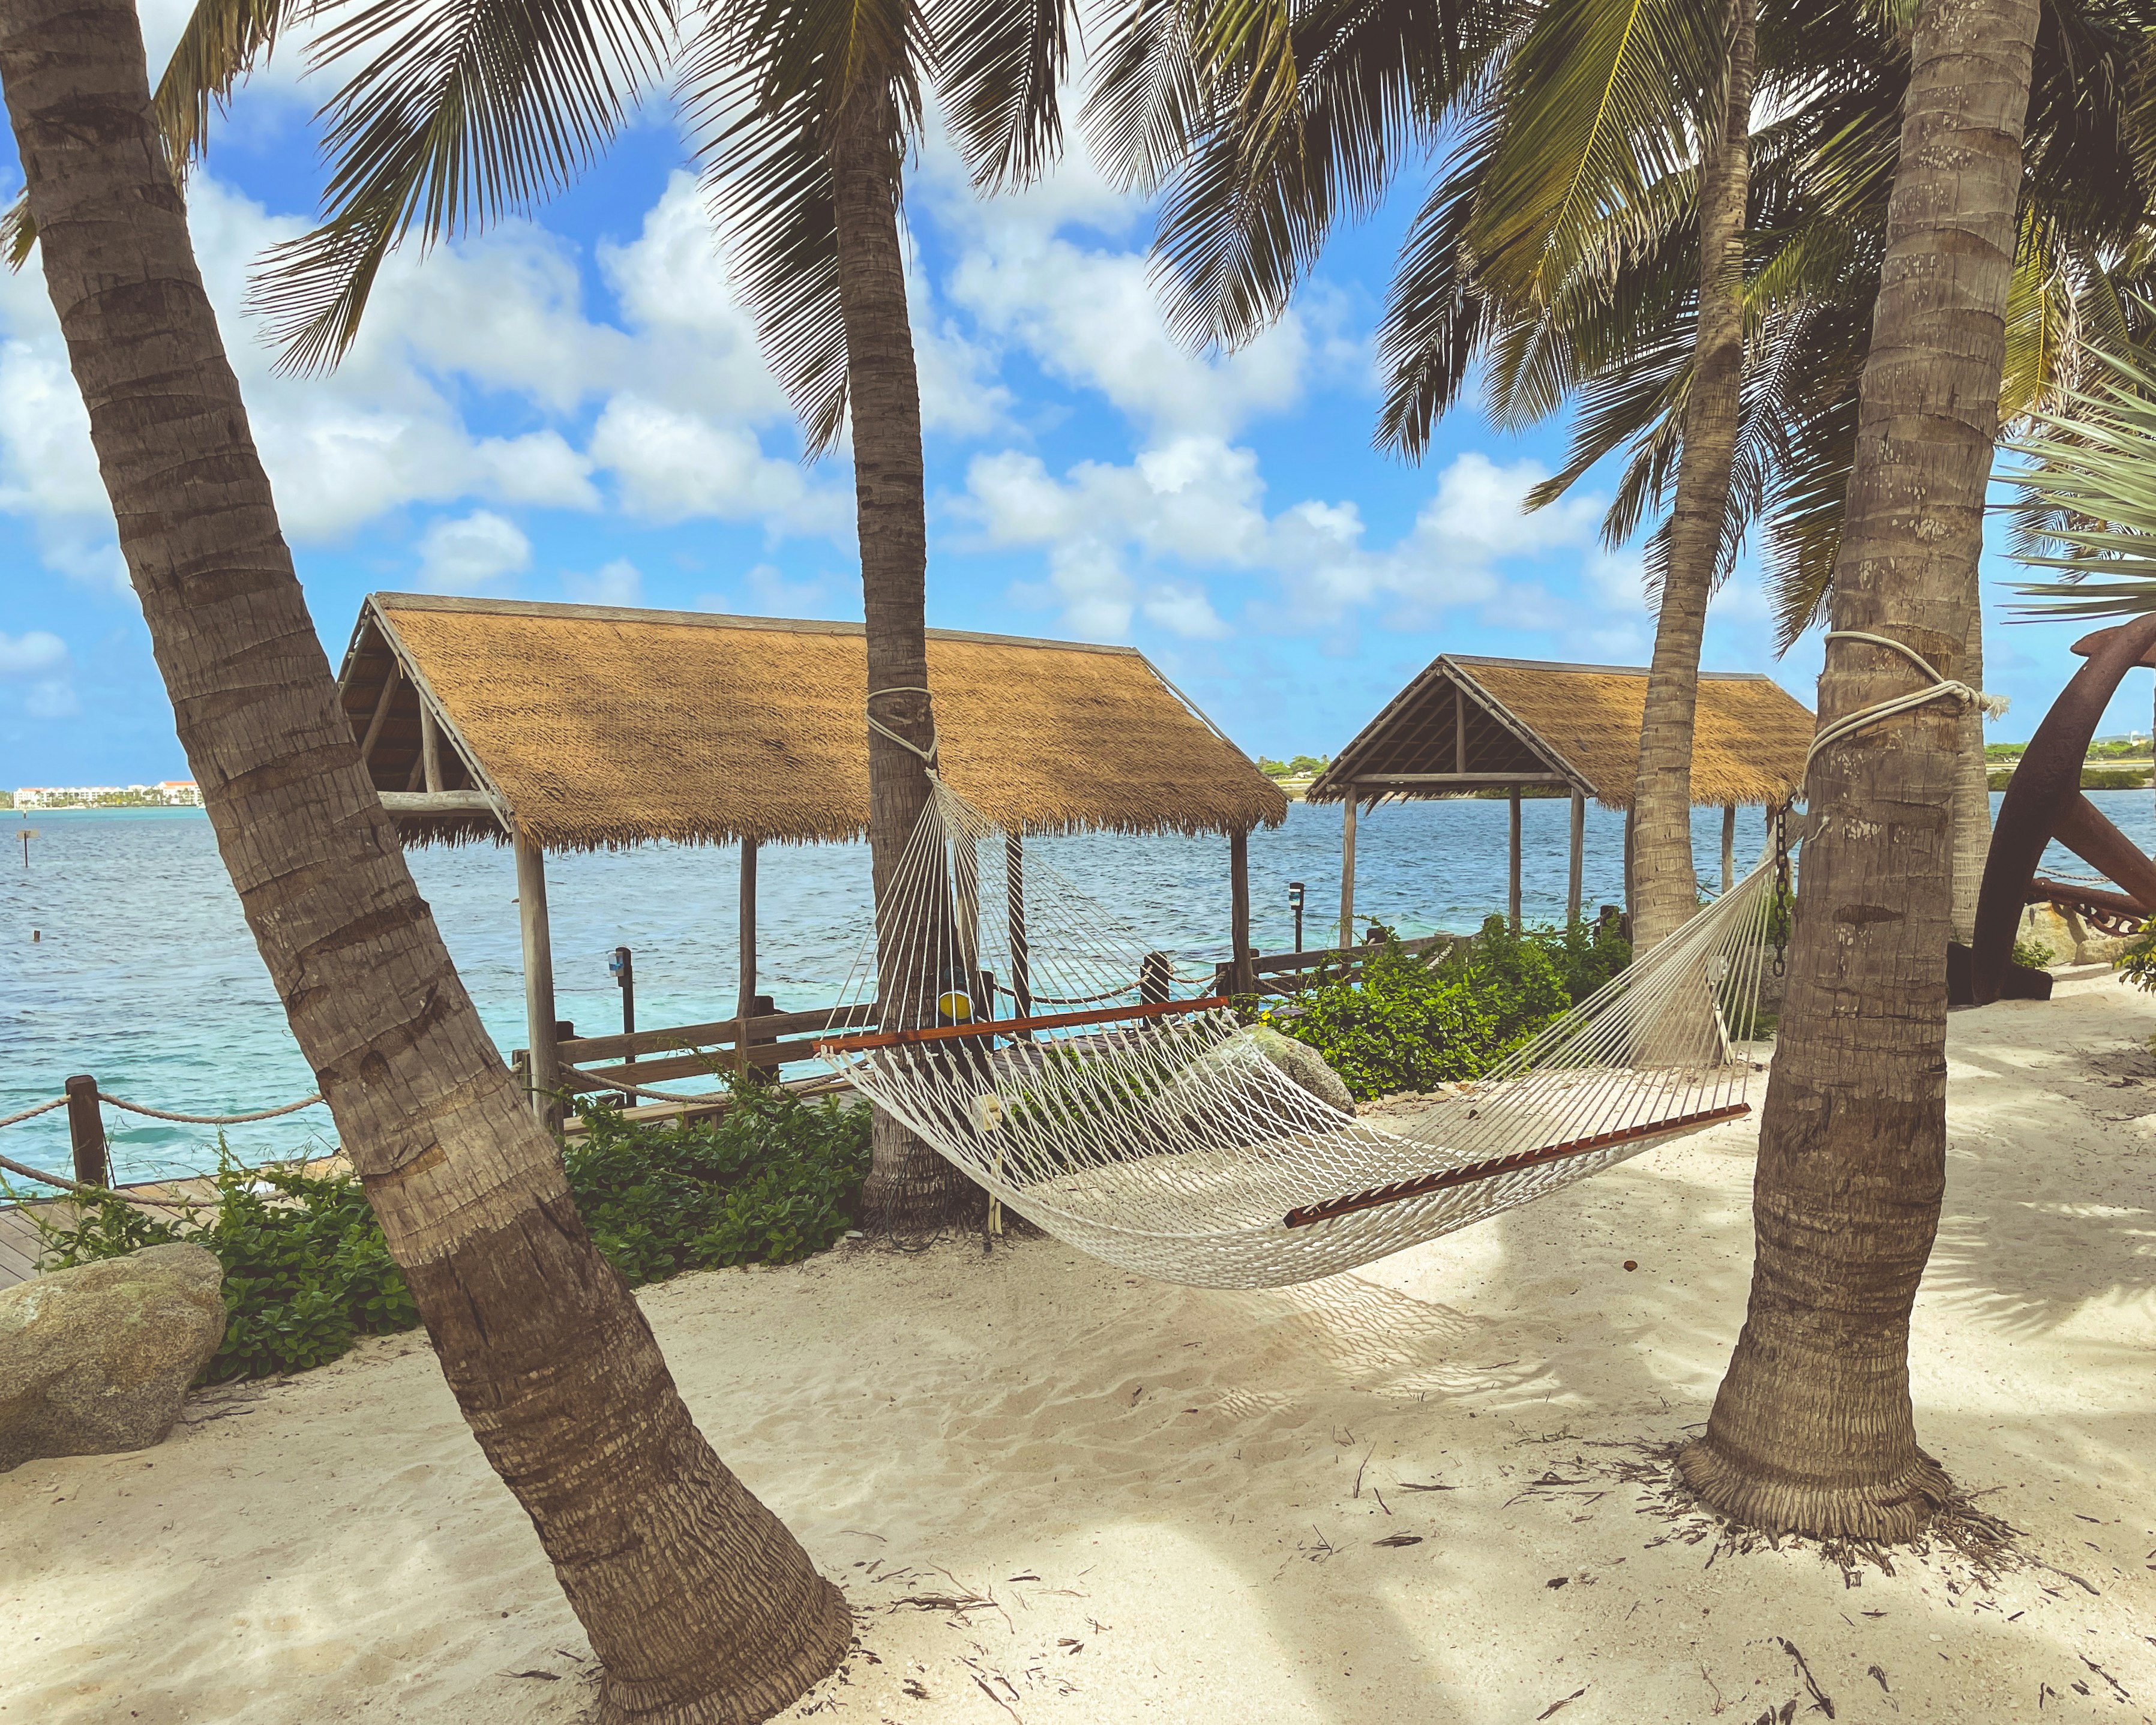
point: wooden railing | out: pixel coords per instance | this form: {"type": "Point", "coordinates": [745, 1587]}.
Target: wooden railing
{"type": "Point", "coordinates": [1282, 972]}
{"type": "Point", "coordinates": [591, 1063]}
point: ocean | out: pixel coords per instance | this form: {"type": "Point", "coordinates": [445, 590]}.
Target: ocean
{"type": "Point", "coordinates": [143, 974]}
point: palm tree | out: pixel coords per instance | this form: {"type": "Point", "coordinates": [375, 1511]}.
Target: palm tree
{"type": "Point", "coordinates": [1812, 1429]}
{"type": "Point", "coordinates": [699, 1603]}
{"type": "Point", "coordinates": [1607, 316]}
{"type": "Point", "coordinates": [807, 109]}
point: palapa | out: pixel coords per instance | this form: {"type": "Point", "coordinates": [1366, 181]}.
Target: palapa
{"type": "Point", "coordinates": [1579, 724]}
{"type": "Point", "coordinates": [595, 726]}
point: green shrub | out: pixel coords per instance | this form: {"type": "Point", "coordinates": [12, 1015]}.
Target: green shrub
{"type": "Point", "coordinates": [306, 1270]}
{"type": "Point", "coordinates": [2113, 778]}
{"type": "Point", "coordinates": [2036, 955]}
{"type": "Point", "coordinates": [1403, 1024]}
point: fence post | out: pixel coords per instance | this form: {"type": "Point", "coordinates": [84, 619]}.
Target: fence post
{"type": "Point", "coordinates": [86, 1130]}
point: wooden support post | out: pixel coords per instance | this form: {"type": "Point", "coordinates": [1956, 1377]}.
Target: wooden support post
{"type": "Point", "coordinates": [86, 1131]}
{"type": "Point", "coordinates": [1347, 871]}
{"type": "Point", "coordinates": [542, 1075]}
{"type": "Point", "coordinates": [747, 995]}
{"type": "Point", "coordinates": [1513, 860]}
{"type": "Point", "coordinates": [1728, 845]}
{"type": "Point", "coordinates": [1578, 856]}
{"type": "Point", "coordinates": [1021, 954]}
{"type": "Point", "coordinates": [745, 999]}
{"type": "Point", "coordinates": [430, 747]}
{"type": "Point", "coordinates": [1458, 729]}
{"type": "Point", "coordinates": [381, 708]}
{"type": "Point", "coordinates": [1245, 981]}
{"type": "Point", "coordinates": [1628, 867]}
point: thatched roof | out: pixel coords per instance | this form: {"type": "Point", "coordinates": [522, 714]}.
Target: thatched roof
{"type": "Point", "coordinates": [1530, 720]}
{"type": "Point", "coordinates": [592, 725]}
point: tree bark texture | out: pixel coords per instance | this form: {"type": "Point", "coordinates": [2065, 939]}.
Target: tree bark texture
{"type": "Point", "coordinates": [1664, 885]}
{"type": "Point", "coordinates": [1812, 1429]}
{"type": "Point", "coordinates": [1972, 807]}
{"type": "Point", "coordinates": [702, 1607]}
{"type": "Point", "coordinates": [910, 1187]}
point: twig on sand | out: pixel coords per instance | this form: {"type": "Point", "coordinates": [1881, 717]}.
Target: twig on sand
{"type": "Point", "coordinates": [1565, 1702]}
{"type": "Point", "coordinates": [1820, 1698]}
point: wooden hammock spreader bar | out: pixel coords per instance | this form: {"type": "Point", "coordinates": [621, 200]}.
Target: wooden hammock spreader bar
{"type": "Point", "coordinates": [1006, 1027]}
{"type": "Point", "coordinates": [1374, 1196]}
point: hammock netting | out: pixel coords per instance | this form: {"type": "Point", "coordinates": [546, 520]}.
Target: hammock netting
{"type": "Point", "coordinates": [1115, 1099]}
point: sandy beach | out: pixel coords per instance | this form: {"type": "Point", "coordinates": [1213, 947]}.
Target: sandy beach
{"type": "Point", "coordinates": [1053, 1492]}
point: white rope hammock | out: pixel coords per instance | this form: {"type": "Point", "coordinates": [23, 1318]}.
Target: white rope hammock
{"type": "Point", "coordinates": [1152, 1132]}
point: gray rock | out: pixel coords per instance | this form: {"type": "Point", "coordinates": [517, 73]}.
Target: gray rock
{"type": "Point", "coordinates": [98, 1358]}
{"type": "Point", "coordinates": [1196, 1087]}
{"type": "Point", "coordinates": [1303, 1064]}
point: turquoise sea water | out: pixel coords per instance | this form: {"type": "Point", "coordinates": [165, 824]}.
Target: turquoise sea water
{"type": "Point", "coordinates": [144, 976]}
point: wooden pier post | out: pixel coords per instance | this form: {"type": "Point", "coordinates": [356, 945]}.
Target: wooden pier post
{"type": "Point", "coordinates": [86, 1130]}
{"type": "Point", "coordinates": [1513, 860]}
{"type": "Point", "coordinates": [542, 1074]}
{"type": "Point", "coordinates": [1347, 869]}
{"type": "Point", "coordinates": [1578, 856]}
{"type": "Point", "coordinates": [745, 996]}
{"type": "Point", "coordinates": [1244, 979]}
{"type": "Point", "coordinates": [430, 747]}
{"type": "Point", "coordinates": [1728, 845]}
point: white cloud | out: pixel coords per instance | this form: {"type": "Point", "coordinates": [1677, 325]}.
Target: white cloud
{"type": "Point", "coordinates": [672, 465]}
{"type": "Point", "coordinates": [1199, 502]}
{"type": "Point", "coordinates": [39, 659]}
{"type": "Point", "coordinates": [464, 555]}
{"type": "Point", "coordinates": [36, 653]}
{"type": "Point", "coordinates": [619, 582]}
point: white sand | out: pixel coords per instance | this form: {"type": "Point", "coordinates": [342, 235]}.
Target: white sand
{"type": "Point", "coordinates": [1151, 1492]}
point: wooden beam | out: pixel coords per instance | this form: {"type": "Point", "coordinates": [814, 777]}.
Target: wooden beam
{"type": "Point", "coordinates": [766, 1028]}
{"type": "Point", "coordinates": [1513, 860]}
{"type": "Point", "coordinates": [430, 747]}
{"type": "Point", "coordinates": [1728, 845]}
{"type": "Point", "coordinates": [1578, 856]}
{"type": "Point", "coordinates": [438, 801]}
{"type": "Point", "coordinates": [1628, 862]}
{"type": "Point", "coordinates": [1239, 912]}
{"type": "Point", "coordinates": [1348, 870]}
{"type": "Point", "coordinates": [380, 707]}
{"type": "Point", "coordinates": [1458, 729]}
{"type": "Point", "coordinates": [538, 976]}
{"type": "Point", "coordinates": [1476, 781]}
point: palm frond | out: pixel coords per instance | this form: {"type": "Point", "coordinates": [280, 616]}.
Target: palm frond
{"type": "Point", "coordinates": [1604, 98]}
{"type": "Point", "coordinates": [1001, 71]}
{"type": "Point", "coordinates": [458, 113]}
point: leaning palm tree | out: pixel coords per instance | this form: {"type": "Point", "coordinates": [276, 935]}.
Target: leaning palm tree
{"type": "Point", "coordinates": [1813, 1428]}
{"type": "Point", "coordinates": [699, 1603]}
{"type": "Point", "coordinates": [453, 113]}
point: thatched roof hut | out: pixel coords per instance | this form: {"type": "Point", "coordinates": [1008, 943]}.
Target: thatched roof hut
{"type": "Point", "coordinates": [574, 727]}
{"type": "Point", "coordinates": [588, 726]}
{"type": "Point", "coordinates": [1467, 723]}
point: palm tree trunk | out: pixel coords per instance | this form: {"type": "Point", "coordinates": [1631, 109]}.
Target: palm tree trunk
{"type": "Point", "coordinates": [1667, 888]}
{"type": "Point", "coordinates": [910, 1187]}
{"type": "Point", "coordinates": [1812, 1429]}
{"type": "Point", "coordinates": [1972, 807]}
{"type": "Point", "coordinates": [702, 1607]}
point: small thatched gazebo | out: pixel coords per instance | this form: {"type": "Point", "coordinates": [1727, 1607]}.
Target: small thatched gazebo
{"type": "Point", "coordinates": [568, 727]}
{"type": "Point", "coordinates": [1470, 724]}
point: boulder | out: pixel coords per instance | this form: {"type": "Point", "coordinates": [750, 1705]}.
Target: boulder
{"type": "Point", "coordinates": [1303, 1064]}
{"type": "Point", "coordinates": [1193, 1089]}
{"type": "Point", "coordinates": [98, 1358]}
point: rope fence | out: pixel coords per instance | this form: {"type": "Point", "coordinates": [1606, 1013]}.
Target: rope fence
{"type": "Point", "coordinates": [203, 1119]}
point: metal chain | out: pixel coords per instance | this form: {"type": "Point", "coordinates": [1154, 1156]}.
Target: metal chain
{"type": "Point", "coordinates": [1785, 900]}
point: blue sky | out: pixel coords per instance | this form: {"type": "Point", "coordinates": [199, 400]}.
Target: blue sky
{"type": "Point", "coordinates": [574, 408]}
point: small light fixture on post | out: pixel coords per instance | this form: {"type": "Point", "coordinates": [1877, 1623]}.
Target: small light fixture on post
{"type": "Point", "coordinates": [1295, 904]}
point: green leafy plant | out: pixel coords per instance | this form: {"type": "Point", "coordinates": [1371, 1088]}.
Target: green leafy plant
{"type": "Point", "coordinates": [2036, 955]}
{"type": "Point", "coordinates": [306, 1270]}
{"type": "Point", "coordinates": [1403, 1024]}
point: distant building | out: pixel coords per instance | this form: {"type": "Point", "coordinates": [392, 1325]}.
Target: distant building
{"type": "Point", "coordinates": [165, 793]}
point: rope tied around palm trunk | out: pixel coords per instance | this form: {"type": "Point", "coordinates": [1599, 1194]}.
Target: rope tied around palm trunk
{"type": "Point", "coordinates": [927, 755]}
{"type": "Point", "coordinates": [1940, 688]}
